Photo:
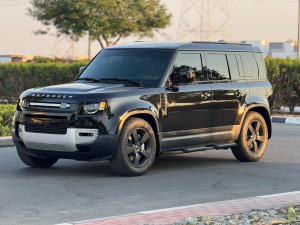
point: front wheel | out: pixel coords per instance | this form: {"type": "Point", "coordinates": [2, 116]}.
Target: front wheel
{"type": "Point", "coordinates": [136, 148]}
{"type": "Point", "coordinates": [36, 161]}
{"type": "Point", "coordinates": [253, 138]}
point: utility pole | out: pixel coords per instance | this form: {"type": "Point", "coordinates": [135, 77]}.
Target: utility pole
{"type": "Point", "coordinates": [90, 47]}
{"type": "Point", "coordinates": [299, 29]}
{"type": "Point", "coordinates": [72, 50]}
{"type": "Point", "coordinates": [204, 20]}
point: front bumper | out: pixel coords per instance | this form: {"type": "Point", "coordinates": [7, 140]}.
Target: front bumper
{"type": "Point", "coordinates": [58, 133]}
{"type": "Point", "coordinates": [58, 142]}
{"type": "Point", "coordinates": [102, 148]}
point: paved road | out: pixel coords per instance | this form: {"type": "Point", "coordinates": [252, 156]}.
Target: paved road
{"type": "Point", "coordinates": [72, 191]}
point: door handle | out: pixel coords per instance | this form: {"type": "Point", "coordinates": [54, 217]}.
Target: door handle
{"type": "Point", "coordinates": [239, 93]}
{"type": "Point", "coordinates": [205, 95]}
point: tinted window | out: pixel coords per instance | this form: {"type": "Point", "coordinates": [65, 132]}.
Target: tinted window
{"type": "Point", "coordinates": [217, 67]}
{"type": "Point", "coordinates": [187, 63]}
{"type": "Point", "coordinates": [145, 66]}
{"type": "Point", "coordinates": [261, 65]}
{"type": "Point", "coordinates": [233, 67]}
{"type": "Point", "coordinates": [250, 66]}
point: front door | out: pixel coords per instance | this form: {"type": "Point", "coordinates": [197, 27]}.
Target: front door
{"type": "Point", "coordinates": [189, 103]}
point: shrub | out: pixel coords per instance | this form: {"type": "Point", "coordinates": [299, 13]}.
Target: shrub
{"type": "Point", "coordinates": [284, 75]}
{"type": "Point", "coordinates": [18, 77]}
{"type": "Point", "coordinates": [6, 118]}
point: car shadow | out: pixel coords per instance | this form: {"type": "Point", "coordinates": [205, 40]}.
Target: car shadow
{"type": "Point", "coordinates": [71, 168]}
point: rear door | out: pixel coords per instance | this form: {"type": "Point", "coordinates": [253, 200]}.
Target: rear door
{"type": "Point", "coordinates": [230, 93]}
{"type": "Point", "coordinates": [255, 75]}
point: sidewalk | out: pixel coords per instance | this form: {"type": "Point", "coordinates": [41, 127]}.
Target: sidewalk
{"type": "Point", "coordinates": [289, 120]}
{"type": "Point", "coordinates": [172, 215]}
{"type": "Point", "coordinates": [6, 142]}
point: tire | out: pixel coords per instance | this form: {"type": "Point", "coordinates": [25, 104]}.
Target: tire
{"type": "Point", "coordinates": [38, 162]}
{"type": "Point", "coordinates": [253, 138]}
{"type": "Point", "coordinates": [136, 148]}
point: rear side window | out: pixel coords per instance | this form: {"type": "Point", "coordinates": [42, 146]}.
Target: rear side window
{"type": "Point", "coordinates": [217, 66]}
{"type": "Point", "coordinates": [250, 66]}
{"type": "Point", "coordinates": [188, 62]}
{"type": "Point", "coordinates": [233, 67]}
{"type": "Point", "coordinates": [261, 65]}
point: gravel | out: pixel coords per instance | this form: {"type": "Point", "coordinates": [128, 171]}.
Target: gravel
{"type": "Point", "coordinates": [275, 216]}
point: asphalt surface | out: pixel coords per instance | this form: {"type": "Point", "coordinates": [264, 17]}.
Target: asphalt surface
{"type": "Point", "coordinates": [72, 191]}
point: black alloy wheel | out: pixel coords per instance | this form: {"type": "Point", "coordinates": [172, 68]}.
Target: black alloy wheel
{"type": "Point", "coordinates": [253, 138]}
{"type": "Point", "coordinates": [136, 148]}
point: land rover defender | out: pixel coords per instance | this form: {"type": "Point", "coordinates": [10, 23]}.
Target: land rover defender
{"type": "Point", "coordinates": [133, 102]}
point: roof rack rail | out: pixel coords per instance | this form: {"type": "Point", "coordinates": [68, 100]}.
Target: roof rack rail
{"type": "Point", "coordinates": [220, 42]}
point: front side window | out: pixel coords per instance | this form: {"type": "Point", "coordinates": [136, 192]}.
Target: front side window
{"type": "Point", "coordinates": [187, 69]}
{"type": "Point", "coordinates": [217, 66]}
{"type": "Point", "coordinates": [144, 66]}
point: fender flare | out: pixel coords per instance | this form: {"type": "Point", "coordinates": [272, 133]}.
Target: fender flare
{"type": "Point", "coordinates": [269, 124]}
{"type": "Point", "coordinates": [133, 112]}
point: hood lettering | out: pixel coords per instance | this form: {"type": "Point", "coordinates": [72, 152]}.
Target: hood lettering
{"type": "Point", "coordinates": [52, 96]}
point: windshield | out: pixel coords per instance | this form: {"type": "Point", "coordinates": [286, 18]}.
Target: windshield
{"type": "Point", "coordinates": [139, 65]}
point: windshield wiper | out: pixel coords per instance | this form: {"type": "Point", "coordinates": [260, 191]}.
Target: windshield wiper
{"type": "Point", "coordinates": [121, 79]}
{"type": "Point", "coordinates": [105, 80]}
{"type": "Point", "coordinates": [89, 79]}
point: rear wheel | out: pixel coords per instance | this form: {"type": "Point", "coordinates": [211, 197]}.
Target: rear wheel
{"type": "Point", "coordinates": [136, 148]}
{"type": "Point", "coordinates": [36, 161]}
{"type": "Point", "coordinates": [253, 138]}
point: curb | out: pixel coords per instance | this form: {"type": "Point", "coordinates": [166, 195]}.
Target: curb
{"type": "Point", "coordinates": [176, 214]}
{"type": "Point", "coordinates": [6, 142]}
{"type": "Point", "coordinates": [288, 120]}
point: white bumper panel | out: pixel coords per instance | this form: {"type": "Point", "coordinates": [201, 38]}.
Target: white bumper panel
{"type": "Point", "coordinates": [58, 142]}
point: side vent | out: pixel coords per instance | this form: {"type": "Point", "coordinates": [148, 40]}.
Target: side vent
{"type": "Point", "coordinates": [163, 103]}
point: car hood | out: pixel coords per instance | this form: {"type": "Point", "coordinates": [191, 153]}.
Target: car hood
{"type": "Point", "coordinates": [76, 88]}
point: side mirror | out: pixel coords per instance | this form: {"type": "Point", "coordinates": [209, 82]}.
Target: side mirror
{"type": "Point", "coordinates": [81, 69]}
{"type": "Point", "coordinates": [186, 75]}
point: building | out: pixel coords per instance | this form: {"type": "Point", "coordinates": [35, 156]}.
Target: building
{"type": "Point", "coordinates": [276, 49]}
{"type": "Point", "coordinates": [11, 58]}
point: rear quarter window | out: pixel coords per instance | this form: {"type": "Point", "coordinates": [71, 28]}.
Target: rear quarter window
{"type": "Point", "coordinates": [249, 65]}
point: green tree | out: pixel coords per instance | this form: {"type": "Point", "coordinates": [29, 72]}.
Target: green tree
{"type": "Point", "coordinates": [106, 21]}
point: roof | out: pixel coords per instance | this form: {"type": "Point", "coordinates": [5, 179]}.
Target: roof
{"type": "Point", "coordinates": [209, 46]}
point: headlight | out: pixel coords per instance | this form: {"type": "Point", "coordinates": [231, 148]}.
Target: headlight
{"type": "Point", "coordinates": [21, 103]}
{"type": "Point", "coordinates": [92, 108]}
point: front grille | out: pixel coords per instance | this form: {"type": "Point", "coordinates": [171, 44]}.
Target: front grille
{"type": "Point", "coordinates": [37, 128]}
{"type": "Point", "coordinates": [46, 125]}
{"type": "Point", "coordinates": [49, 105]}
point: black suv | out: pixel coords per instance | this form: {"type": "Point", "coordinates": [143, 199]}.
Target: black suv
{"type": "Point", "coordinates": [136, 101]}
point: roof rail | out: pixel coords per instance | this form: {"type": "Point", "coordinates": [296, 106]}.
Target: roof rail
{"type": "Point", "coordinates": [220, 42]}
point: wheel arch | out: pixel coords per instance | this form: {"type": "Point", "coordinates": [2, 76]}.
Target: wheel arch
{"type": "Point", "coordinates": [146, 115]}
{"type": "Point", "coordinates": [262, 110]}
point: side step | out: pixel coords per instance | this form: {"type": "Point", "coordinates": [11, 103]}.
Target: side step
{"type": "Point", "coordinates": [198, 149]}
